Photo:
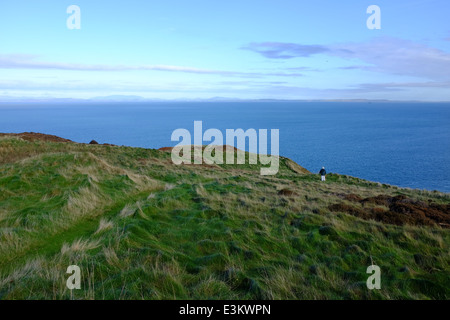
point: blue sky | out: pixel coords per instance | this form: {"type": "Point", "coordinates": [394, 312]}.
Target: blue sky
{"type": "Point", "coordinates": [249, 49]}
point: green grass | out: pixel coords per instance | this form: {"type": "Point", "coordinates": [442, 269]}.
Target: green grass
{"type": "Point", "coordinates": [140, 227]}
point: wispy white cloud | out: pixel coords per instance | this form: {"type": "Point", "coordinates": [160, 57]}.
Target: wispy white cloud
{"type": "Point", "coordinates": [404, 85]}
{"type": "Point", "coordinates": [386, 55]}
{"type": "Point", "coordinates": [23, 61]}
{"type": "Point", "coordinates": [402, 57]}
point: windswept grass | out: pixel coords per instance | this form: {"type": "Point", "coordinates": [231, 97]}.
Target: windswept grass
{"type": "Point", "coordinates": [140, 227]}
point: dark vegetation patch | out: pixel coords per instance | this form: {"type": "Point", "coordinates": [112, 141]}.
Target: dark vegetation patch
{"type": "Point", "coordinates": [402, 210]}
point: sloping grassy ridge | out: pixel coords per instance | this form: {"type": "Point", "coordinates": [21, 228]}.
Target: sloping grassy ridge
{"type": "Point", "coordinates": [140, 227]}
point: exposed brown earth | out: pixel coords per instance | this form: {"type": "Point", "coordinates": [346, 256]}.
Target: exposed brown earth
{"type": "Point", "coordinates": [168, 149]}
{"type": "Point", "coordinates": [287, 192]}
{"type": "Point", "coordinates": [33, 136]}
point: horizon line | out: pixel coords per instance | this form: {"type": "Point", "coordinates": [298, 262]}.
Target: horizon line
{"type": "Point", "coordinates": [136, 99]}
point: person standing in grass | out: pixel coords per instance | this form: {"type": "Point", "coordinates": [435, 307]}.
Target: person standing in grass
{"type": "Point", "coordinates": [323, 173]}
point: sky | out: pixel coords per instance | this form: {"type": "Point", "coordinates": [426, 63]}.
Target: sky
{"type": "Point", "coordinates": [245, 49]}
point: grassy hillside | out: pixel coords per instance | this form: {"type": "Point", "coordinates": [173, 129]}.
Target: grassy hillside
{"type": "Point", "coordinates": [140, 227]}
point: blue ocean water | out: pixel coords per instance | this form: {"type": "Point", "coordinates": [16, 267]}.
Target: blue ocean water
{"type": "Point", "coordinates": [404, 144]}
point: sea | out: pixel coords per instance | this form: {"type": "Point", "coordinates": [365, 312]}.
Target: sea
{"type": "Point", "coordinates": [406, 144]}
